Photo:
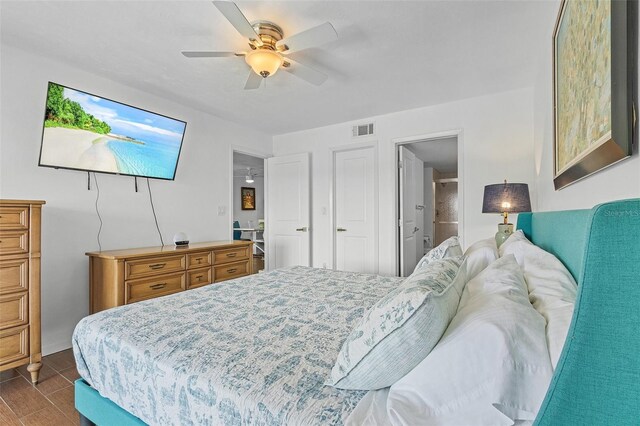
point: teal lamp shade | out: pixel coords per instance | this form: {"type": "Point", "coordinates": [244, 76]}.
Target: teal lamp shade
{"type": "Point", "coordinates": [506, 198]}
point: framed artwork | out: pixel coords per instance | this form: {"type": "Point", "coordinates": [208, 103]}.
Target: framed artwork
{"type": "Point", "coordinates": [248, 198]}
{"type": "Point", "coordinates": [593, 80]}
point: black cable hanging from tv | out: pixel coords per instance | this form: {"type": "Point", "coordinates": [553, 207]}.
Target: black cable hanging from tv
{"type": "Point", "coordinates": [97, 211]}
{"type": "Point", "coordinates": [154, 212]}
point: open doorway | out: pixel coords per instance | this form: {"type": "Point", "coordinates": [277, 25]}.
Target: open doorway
{"type": "Point", "coordinates": [428, 201]}
{"type": "Point", "coordinates": [248, 204]}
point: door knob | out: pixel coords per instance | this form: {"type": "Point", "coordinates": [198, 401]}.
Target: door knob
{"type": "Point", "coordinates": [341, 230]}
{"type": "Point", "coordinates": [303, 229]}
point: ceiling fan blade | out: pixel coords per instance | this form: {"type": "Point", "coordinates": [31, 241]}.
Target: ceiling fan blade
{"type": "Point", "coordinates": [309, 38]}
{"type": "Point", "coordinates": [253, 81]}
{"type": "Point", "coordinates": [207, 54]}
{"type": "Point", "coordinates": [304, 72]}
{"type": "Point", "coordinates": [233, 14]}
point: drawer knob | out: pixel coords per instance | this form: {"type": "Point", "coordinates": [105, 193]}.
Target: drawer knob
{"type": "Point", "coordinates": [199, 260]}
{"type": "Point", "coordinates": [231, 271]}
{"type": "Point", "coordinates": [199, 277]}
{"type": "Point", "coordinates": [231, 254]}
{"type": "Point", "coordinates": [158, 286]}
{"type": "Point", "coordinates": [157, 266]}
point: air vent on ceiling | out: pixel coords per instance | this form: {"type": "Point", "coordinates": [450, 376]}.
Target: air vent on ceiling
{"type": "Point", "coordinates": [362, 130]}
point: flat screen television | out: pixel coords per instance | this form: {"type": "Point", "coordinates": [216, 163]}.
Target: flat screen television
{"type": "Point", "coordinates": [86, 132]}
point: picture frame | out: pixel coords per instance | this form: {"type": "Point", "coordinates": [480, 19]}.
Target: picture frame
{"type": "Point", "coordinates": [594, 73]}
{"type": "Point", "coordinates": [248, 198]}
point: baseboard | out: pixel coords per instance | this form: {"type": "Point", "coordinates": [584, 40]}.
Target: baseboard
{"type": "Point", "coordinates": [57, 345]}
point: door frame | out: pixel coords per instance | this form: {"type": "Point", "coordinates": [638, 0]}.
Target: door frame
{"type": "Point", "coordinates": [396, 143]}
{"type": "Point", "coordinates": [254, 153]}
{"type": "Point", "coordinates": [332, 197]}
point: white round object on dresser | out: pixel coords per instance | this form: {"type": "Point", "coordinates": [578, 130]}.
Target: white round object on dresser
{"type": "Point", "coordinates": [181, 239]}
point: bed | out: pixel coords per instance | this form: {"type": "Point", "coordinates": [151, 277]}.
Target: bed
{"type": "Point", "coordinates": [140, 377]}
{"type": "Point", "coordinates": [256, 349]}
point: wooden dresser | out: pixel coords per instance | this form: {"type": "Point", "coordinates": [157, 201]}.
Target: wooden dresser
{"type": "Point", "coordinates": [120, 277]}
{"type": "Point", "coordinates": [20, 285]}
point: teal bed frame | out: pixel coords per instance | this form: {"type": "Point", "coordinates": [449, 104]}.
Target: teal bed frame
{"type": "Point", "coordinates": [597, 379]}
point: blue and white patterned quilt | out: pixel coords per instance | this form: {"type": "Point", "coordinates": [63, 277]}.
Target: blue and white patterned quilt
{"type": "Point", "coordinates": [252, 351]}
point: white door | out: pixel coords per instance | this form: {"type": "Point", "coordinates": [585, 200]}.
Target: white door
{"type": "Point", "coordinates": [355, 210]}
{"type": "Point", "coordinates": [407, 223]}
{"type": "Point", "coordinates": [288, 217]}
{"type": "Point", "coordinates": [418, 179]}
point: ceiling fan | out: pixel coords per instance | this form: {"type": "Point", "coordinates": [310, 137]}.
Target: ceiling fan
{"type": "Point", "coordinates": [269, 47]}
{"type": "Point", "coordinates": [249, 175]}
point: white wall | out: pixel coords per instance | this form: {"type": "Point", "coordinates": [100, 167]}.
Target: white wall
{"type": "Point", "coordinates": [188, 204]}
{"type": "Point", "coordinates": [243, 216]}
{"type": "Point", "coordinates": [617, 182]}
{"type": "Point", "coordinates": [496, 142]}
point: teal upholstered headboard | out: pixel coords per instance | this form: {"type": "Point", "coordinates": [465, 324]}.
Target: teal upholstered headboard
{"type": "Point", "coordinates": [562, 233]}
{"type": "Point", "coordinates": [597, 380]}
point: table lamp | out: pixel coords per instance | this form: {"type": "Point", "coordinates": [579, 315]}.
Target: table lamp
{"type": "Point", "coordinates": [506, 198]}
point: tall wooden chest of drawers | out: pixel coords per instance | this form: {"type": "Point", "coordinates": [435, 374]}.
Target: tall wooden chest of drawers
{"type": "Point", "coordinates": [20, 285]}
{"type": "Point", "coordinates": [120, 277]}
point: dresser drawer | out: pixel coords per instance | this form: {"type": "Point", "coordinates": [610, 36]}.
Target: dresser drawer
{"type": "Point", "coordinates": [14, 275]}
{"type": "Point", "coordinates": [14, 309]}
{"type": "Point", "coordinates": [230, 270]}
{"type": "Point", "coordinates": [154, 266]}
{"type": "Point", "coordinates": [148, 288]}
{"type": "Point", "coordinates": [199, 260]}
{"type": "Point", "coordinates": [14, 344]}
{"type": "Point", "coordinates": [14, 217]}
{"type": "Point", "coordinates": [230, 255]}
{"type": "Point", "coordinates": [14, 242]}
{"type": "Point", "coordinates": [199, 277]}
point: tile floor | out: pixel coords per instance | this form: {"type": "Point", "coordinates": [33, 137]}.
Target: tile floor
{"type": "Point", "coordinates": [50, 402]}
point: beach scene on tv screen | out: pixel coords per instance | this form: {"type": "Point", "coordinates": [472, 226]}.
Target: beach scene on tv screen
{"type": "Point", "coordinates": [83, 131]}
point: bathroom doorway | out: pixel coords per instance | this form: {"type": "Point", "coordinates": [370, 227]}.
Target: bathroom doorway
{"type": "Point", "coordinates": [428, 201]}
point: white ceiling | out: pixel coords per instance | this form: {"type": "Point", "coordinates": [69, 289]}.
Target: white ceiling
{"type": "Point", "coordinates": [390, 56]}
{"type": "Point", "coordinates": [441, 154]}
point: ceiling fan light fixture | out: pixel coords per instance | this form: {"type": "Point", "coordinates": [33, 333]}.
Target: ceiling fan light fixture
{"type": "Point", "coordinates": [264, 62]}
{"type": "Point", "coordinates": [249, 177]}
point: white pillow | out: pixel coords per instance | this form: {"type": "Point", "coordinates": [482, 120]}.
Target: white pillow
{"type": "Point", "coordinates": [448, 248]}
{"type": "Point", "coordinates": [491, 367]}
{"type": "Point", "coordinates": [552, 289]}
{"type": "Point", "coordinates": [515, 237]}
{"type": "Point", "coordinates": [480, 255]}
{"type": "Point", "coordinates": [401, 328]}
